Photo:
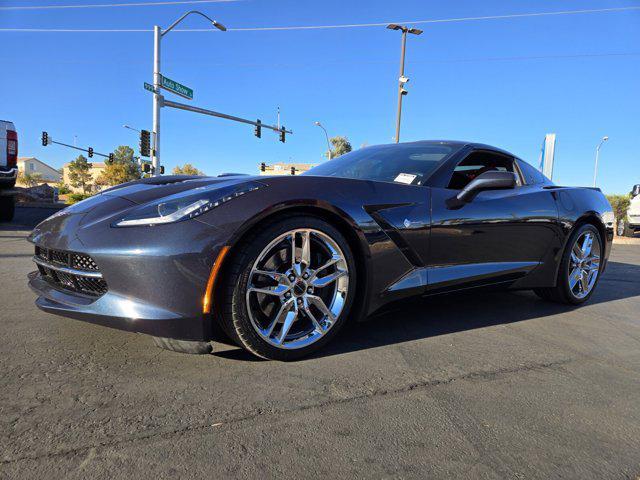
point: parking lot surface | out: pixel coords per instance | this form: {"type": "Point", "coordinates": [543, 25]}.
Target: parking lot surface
{"type": "Point", "coordinates": [476, 385]}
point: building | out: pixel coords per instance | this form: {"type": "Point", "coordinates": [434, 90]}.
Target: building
{"type": "Point", "coordinates": [282, 168]}
{"type": "Point", "coordinates": [95, 171]}
{"type": "Point", "coordinates": [31, 166]}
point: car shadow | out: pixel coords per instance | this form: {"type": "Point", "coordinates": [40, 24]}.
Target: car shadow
{"type": "Point", "coordinates": [456, 312]}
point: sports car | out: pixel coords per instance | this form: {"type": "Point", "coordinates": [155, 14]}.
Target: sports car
{"type": "Point", "coordinates": [281, 263]}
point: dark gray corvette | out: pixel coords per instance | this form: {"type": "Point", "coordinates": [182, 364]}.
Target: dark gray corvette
{"type": "Point", "coordinates": [282, 262]}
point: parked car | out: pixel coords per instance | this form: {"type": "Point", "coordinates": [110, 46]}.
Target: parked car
{"type": "Point", "coordinates": [282, 262]}
{"type": "Point", "coordinates": [8, 169]}
{"type": "Point", "coordinates": [629, 226]}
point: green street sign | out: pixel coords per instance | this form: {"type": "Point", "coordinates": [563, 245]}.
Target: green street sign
{"type": "Point", "coordinates": [176, 88]}
{"type": "Point", "coordinates": [148, 86]}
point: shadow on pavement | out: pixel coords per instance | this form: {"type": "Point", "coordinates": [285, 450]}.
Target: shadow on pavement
{"type": "Point", "coordinates": [26, 218]}
{"type": "Point", "coordinates": [455, 312]}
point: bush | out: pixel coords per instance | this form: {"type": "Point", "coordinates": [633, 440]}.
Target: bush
{"type": "Point", "coordinates": [63, 189]}
{"type": "Point", "coordinates": [76, 197]}
{"type": "Point", "coordinates": [620, 205]}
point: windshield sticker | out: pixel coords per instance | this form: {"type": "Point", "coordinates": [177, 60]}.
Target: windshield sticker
{"type": "Point", "coordinates": [405, 178]}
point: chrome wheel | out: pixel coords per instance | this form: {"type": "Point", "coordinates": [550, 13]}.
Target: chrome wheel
{"type": "Point", "coordinates": [297, 288]}
{"type": "Point", "coordinates": [584, 264]}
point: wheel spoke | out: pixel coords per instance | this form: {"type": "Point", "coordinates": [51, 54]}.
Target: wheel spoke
{"type": "Point", "coordinates": [328, 279]}
{"type": "Point", "coordinates": [272, 275]}
{"type": "Point", "coordinates": [277, 291]}
{"type": "Point", "coordinates": [312, 317]}
{"type": "Point", "coordinates": [289, 320]}
{"type": "Point", "coordinates": [280, 316]}
{"type": "Point", "coordinates": [584, 282]}
{"type": "Point", "coordinates": [332, 261]}
{"type": "Point", "coordinates": [320, 305]}
{"type": "Point", "coordinates": [587, 244]}
{"type": "Point", "coordinates": [305, 256]}
{"type": "Point", "coordinates": [293, 249]}
{"type": "Point", "coordinates": [574, 277]}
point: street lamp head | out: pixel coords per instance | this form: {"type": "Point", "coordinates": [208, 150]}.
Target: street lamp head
{"type": "Point", "coordinates": [605, 138]}
{"type": "Point", "coordinates": [317, 123]}
{"type": "Point", "coordinates": [415, 31]}
{"type": "Point", "coordinates": [219, 26]}
{"type": "Point", "coordinates": [394, 26]}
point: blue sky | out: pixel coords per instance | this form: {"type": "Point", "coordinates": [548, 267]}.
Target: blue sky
{"type": "Point", "coordinates": [505, 82]}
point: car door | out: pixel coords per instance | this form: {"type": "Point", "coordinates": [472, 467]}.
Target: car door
{"type": "Point", "coordinates": [500, 236]}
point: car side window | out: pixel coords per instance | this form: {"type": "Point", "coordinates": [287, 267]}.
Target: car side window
{"type": "Point", "coordinates": [476, 163]}
{"type": "Point", "coordinates": [532, 176]}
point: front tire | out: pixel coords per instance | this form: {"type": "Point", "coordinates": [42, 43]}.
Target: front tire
{"type": "Point", "coordinates": [579, 270]}
{"type": "Point", "coordinates": [288, 289]}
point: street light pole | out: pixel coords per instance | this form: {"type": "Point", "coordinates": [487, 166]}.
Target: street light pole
{"type": "Point", "coordinates": [327, 137]}
{"type": "Point", "coordinates": [402, 79]}
{"type": "Point", "coordinates": [595, 170]}
{"type": "Point", "coordinates": [158, 99]}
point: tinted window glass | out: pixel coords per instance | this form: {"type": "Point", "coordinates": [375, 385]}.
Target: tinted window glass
{"type": "Point", "coordinates": [404, 163]}
{"type": "Point", "coordinates": [476, 164]}
{"type": "Point", "coordinates": [531, 175]}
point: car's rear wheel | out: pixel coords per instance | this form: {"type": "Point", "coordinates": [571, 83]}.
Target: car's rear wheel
{"type": "Point", "coordinates": [580, 268]}
{"type": "Point", "coordinates": [288, 288]}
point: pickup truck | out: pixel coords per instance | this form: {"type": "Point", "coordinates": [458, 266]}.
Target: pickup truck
{"type": "Point", "coordinates": [8, 169]}
{"type": "Point", "coordinates": [632, 224]}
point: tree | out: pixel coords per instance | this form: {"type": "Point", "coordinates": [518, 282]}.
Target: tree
{"type": "Point", "coordinates": [187, 169]}
{"type": "Point", "coordinates": [341, 146]}
{"type": "Point", "coordinates": [620, 205]}
{"type": "Point", "coordinates": [80, 173]}
{"type": "Point", "coordinates": [29, 179]}
{"type": "Point", "coordinates": [123, 169]}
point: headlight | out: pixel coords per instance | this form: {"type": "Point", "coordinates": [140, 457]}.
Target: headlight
{"type": "Point", "coordinates": [185, 205]}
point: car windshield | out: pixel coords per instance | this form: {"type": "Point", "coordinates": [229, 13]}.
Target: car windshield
{"type": "Point", "coordinates": [409, 163]}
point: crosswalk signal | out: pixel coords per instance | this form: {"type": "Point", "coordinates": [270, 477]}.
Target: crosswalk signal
{"type": "Point", "coordinates": [161, 169]}
{"type": "Point", "coordinates": [145, 143]}
{"type": "Point", "coordinates": [258, 130]}
{"type": "Point", "coordinates": [282, 134]}
{"type": "Point", "coordinates": [45, 139]}
{"type": "Point", "coordinates": [90, 152]}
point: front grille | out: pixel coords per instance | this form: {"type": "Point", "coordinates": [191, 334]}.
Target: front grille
{"type": "Point", "coordinates": [66, 270]}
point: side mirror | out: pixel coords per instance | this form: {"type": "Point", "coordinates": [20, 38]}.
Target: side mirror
{"type": "Point", "coordinates": [495, 180]}
{"type": "Point", "coordinates": [635, 191]}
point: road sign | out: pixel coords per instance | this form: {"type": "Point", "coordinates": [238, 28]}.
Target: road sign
{"type": "Point", "coordinates": [176, 88]}
{"type": "Point", "coordinates": [148, 86]}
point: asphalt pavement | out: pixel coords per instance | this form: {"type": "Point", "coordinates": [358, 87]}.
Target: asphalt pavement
{"type": "Point", "coordinates": [477, 385]}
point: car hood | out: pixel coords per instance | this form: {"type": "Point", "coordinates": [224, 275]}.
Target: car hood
{"type": "Point", "coordinates": [116, 201]}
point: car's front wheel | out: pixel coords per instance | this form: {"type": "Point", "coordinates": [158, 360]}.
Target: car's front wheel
{"type": "Point", "coordinates": [288, 288]}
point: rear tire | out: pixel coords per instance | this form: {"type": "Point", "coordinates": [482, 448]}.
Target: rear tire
{"type": "Point", "coordinates": [309, 289]}
{"type": "Point", "coordinates": [570, 288]}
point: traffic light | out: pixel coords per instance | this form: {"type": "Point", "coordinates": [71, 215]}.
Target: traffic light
{"type": "Point", "coordinates": [161, 169]}
{"type": "Point", "coordinates": [282, 134]}
{"type": "Point", "coordinates": [293, 170]}
{"type": "Point", "coordinates": [263, 167]}
{"type": "Point", "coordinates": [45, 139]}
{"type": "Point", "coordinates": [258, 130]}
{"type": "Point", "coordinates": [110, 161]}
{"type": "Point", "coordinates": [145, 143]}
{"type": "Point", "coordinates": [90, 152]}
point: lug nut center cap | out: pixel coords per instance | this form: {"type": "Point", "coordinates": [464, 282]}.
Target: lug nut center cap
{"type": "Point", "coordinates": [300, 288]}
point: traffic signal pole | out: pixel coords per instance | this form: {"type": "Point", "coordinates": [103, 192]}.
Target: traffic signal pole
{"type": "Point", "coordinates": [157, 101]}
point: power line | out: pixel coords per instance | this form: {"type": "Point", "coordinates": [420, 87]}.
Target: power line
{"type": "Point", "coordinates": [108, 5]}
{"type": "Point", "coordinates": [322, 27]}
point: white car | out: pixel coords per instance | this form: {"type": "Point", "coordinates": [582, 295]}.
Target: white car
{"type": "Point", "coordinates": [633, 214]}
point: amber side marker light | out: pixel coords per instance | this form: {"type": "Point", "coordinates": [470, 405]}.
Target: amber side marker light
{"type": "Point", "coordinates": [206, 302]}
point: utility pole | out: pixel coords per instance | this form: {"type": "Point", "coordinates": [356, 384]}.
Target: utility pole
{"type": "Point", "coordinates": [595, 170]}
{"type": "Point", "coordinates": [402, 80]}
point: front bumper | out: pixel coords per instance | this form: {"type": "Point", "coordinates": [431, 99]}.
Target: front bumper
{"type": "Point", "coordinates": [8, 176]}
{"type": "Point", "coordinates": [156, 276]}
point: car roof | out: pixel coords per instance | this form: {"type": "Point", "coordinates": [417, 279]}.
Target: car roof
{"type": "Point", "coordinates": [458, 144]}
